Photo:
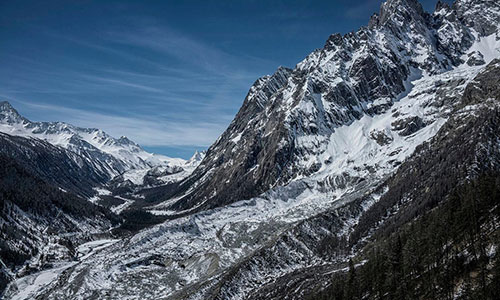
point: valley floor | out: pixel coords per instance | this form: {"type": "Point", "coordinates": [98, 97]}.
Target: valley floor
{"type": "Point", "coordinates": [29, 286]}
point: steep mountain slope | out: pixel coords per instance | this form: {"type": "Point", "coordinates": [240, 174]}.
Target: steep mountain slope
{"type": "Point", "coordinates": [465, 149]}
{"type": "Point", "coordinates": [362, 137]}
{"type": "Point", "coordinates": [289, 120]}
{"type": "Point", "coordinates": [113, 172]}
{"type": "Point", "coordinates": [110, 155]}
{"type": "Point", "coordinates": [200, 252]}
{"type": "Point", "coordinates": [62, 168]}
{"type": "Point", "coordinates": [48, 173]}
{"type": "Point", "coordinates": [39, 221]}
{"type": "Point", "coordinates": [452, 185]}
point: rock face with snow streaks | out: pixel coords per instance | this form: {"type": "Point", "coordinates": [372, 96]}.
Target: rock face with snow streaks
{"type": "Point", "coordinates": [287, 119]}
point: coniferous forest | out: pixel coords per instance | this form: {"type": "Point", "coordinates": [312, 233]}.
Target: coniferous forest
{"type": "Point", "coordinates": [454, 243]}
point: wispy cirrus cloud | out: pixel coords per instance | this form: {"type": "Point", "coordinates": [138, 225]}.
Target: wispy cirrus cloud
{"type": "Point", "coordinates": [143, 79]}
{"type": "Point", "coordinates": [122, 82]}
{"type": "Point", "coordinates": [166, 41]}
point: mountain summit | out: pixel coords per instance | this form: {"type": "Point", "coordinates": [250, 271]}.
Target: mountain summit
{"type": "Point", "coordinates": [8, 115]}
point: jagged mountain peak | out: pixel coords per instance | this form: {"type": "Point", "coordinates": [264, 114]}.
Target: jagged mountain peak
{"type": "Point", "coordinates": [5, 106]}
{"type": "Point", "coordinates": [401, 12]}
{"type": "Point", "coordinates": [8, 114]}
{"type": "Point", "coordinates": [265, 86]}
{"type": "Point", "coordinates": [197, 157]}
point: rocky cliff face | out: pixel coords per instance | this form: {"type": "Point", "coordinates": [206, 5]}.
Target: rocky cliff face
{"type": "Point", "coordinates": [287, 119]}
{"type": "Point", "coordinates": [303, 259]}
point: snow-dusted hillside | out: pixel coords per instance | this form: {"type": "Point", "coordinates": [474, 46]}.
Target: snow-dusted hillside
{"type": "Point", "coordinates": [114, 155]}
{"type": "Point", "coordinates": [49, 172]}
{"type": "Point", "coordinates": [200, 248]}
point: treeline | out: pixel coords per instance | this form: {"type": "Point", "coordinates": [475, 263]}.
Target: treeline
{"type": "Point", "coordinates": [137, 219]}
{"type": "Point", "coordinates": [449, 253]}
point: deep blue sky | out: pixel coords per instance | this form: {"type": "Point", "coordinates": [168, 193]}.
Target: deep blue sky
{"type": "Point", "coordinates": [170, 75]}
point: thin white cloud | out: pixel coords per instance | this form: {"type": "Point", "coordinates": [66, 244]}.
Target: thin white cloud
{"type": "Point", "coordinates": [122, 82]}
{"type": "Point", "coordinates": [164, 40]}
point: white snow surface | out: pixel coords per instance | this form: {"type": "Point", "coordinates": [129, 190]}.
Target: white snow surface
{"type": "Point", "coordinates": [28, 286]}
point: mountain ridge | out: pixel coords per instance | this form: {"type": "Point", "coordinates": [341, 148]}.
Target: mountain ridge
{"type": "Point", "coordinates": [115, 155]}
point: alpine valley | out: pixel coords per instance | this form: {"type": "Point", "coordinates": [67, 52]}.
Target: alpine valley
{"type": "Point", "coordinates": [371, 170]}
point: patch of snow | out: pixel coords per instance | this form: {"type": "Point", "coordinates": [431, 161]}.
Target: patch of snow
{"type": "Point", "coordinates": [237, 138]}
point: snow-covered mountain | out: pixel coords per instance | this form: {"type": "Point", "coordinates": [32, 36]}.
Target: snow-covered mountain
{"type": "Point", "coordinates": [114, 156]}
{"type": "Point", "coordinates": [362, 138]}
{"type": "Point", "coordinates": [300, 122]}
{"type": "Point", "coordinates": [43, 205]}
{"type": "Point", "coordinates": [170, 171]}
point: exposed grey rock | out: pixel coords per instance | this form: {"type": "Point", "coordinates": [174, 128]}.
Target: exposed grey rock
{"type": "Point", "coordinates": [381, 137]}
{"type": "Point", "coordinates": [475, 59]}
{"type": "Point", "coordinates": [302, 260]}
{"type": "Point", "coordinates": [408, 125]}
{"type": "Point", "coordinates": [485, 87]}
{"type": "Point", "coordinates": [359, 73]}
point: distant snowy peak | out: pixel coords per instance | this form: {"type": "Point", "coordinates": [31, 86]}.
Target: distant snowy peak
{"type": "Point", "coordinates": [9, 115]}
{"type": "Point", "coordinates": [197, 158]}
{"type": "Point", "coordinates": [116, 155]}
